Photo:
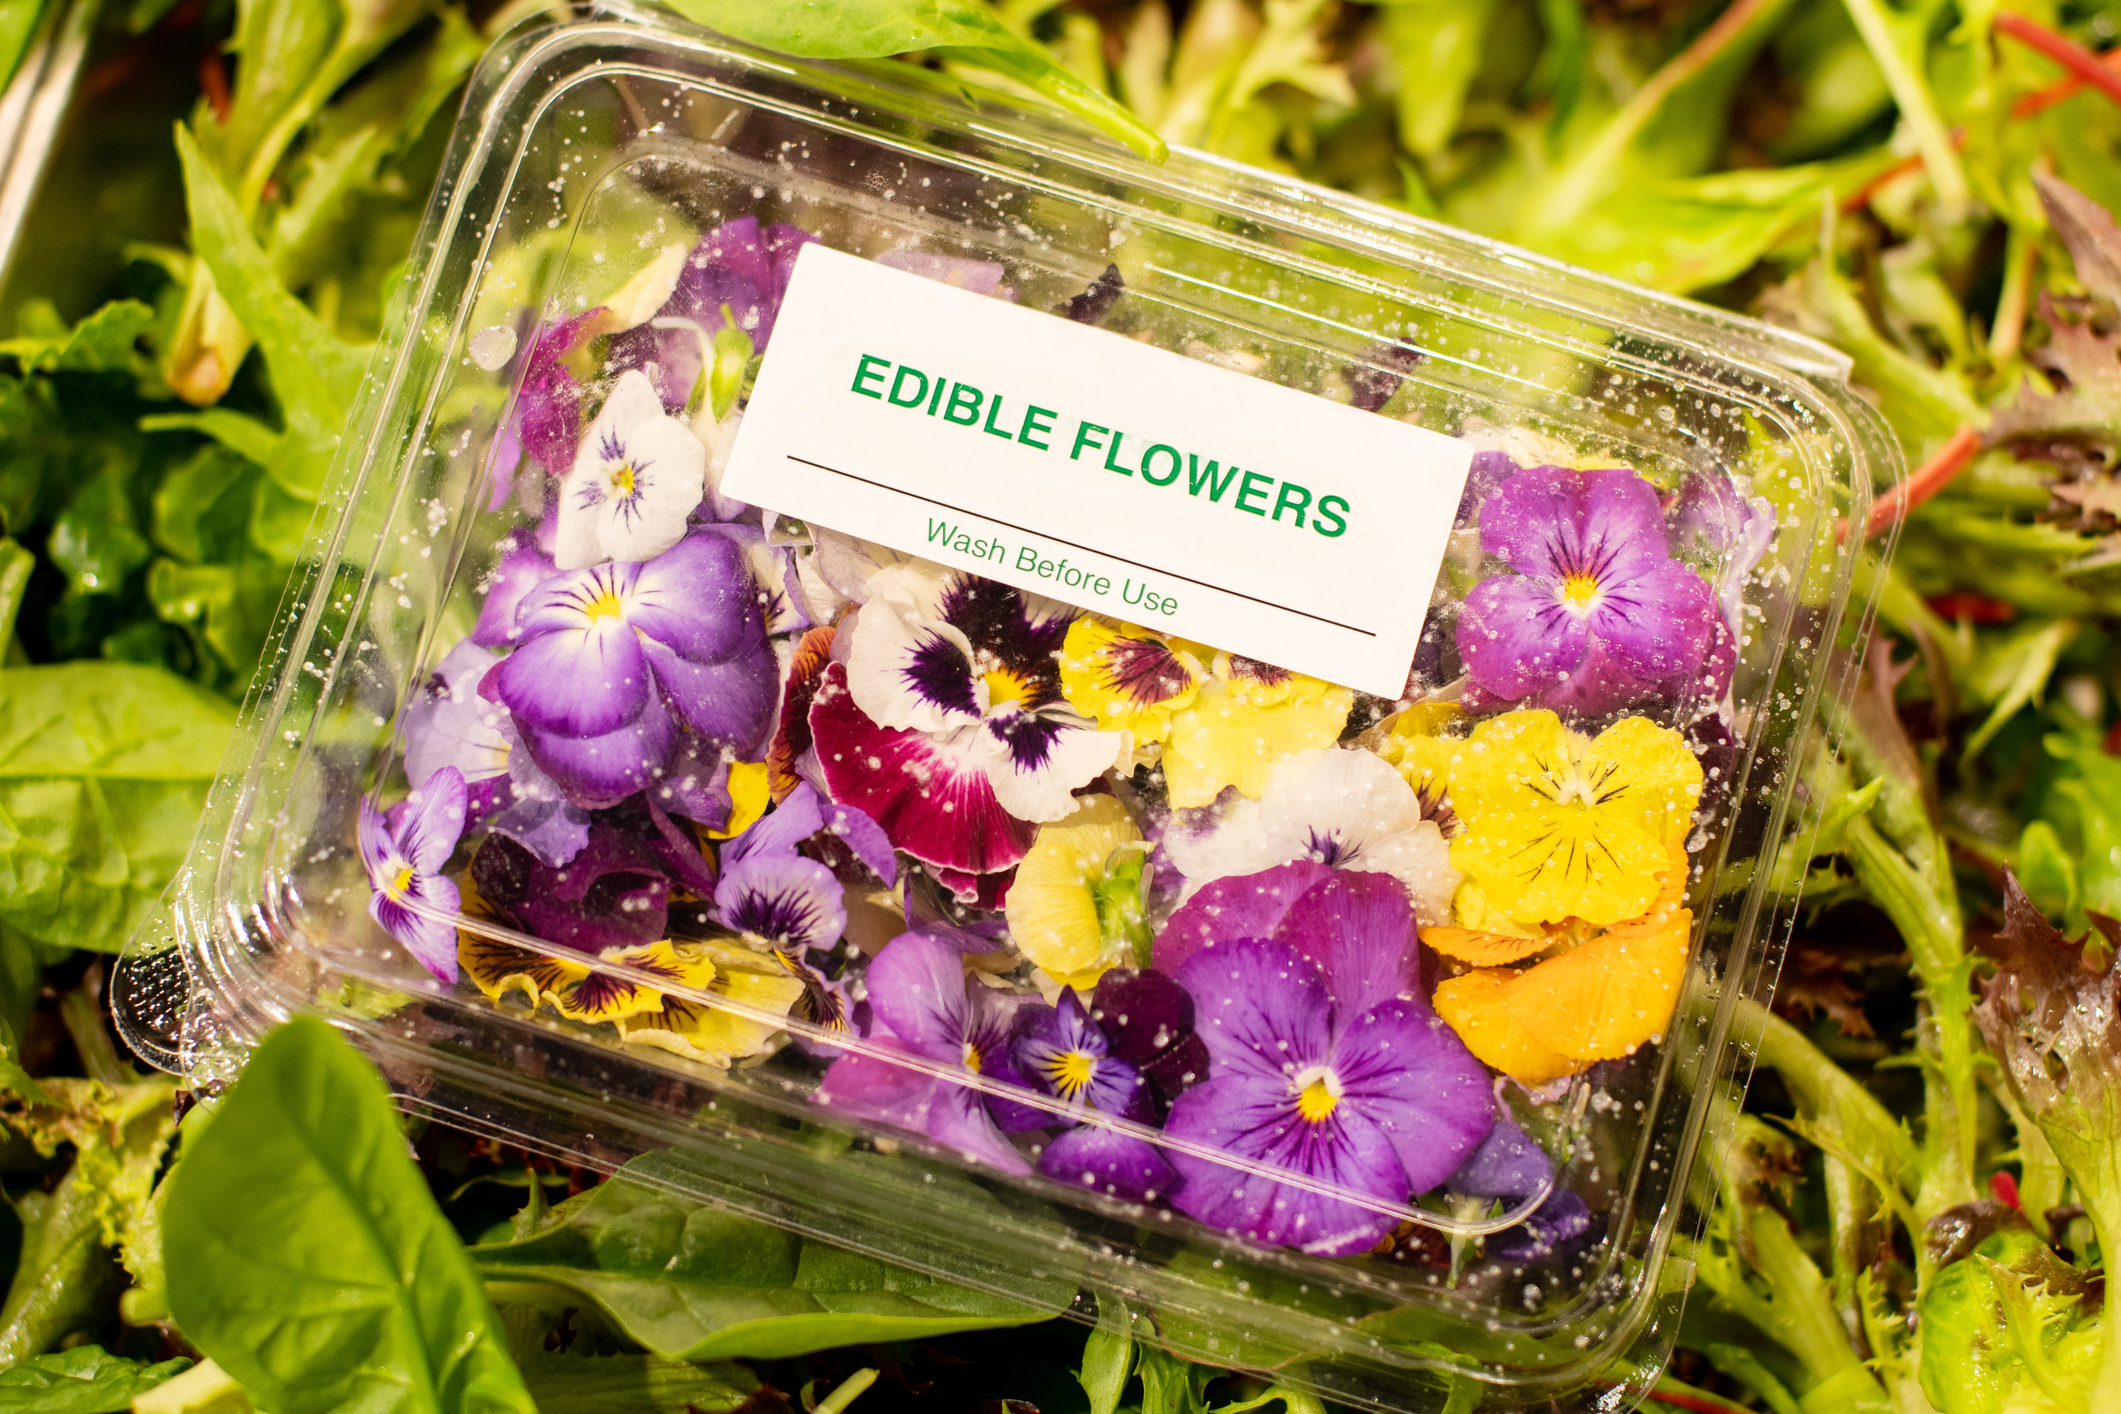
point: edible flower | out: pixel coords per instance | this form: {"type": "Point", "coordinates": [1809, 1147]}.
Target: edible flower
{"type": "Point", "coordinates": [925, 1006]}
{"type": "Point", "coordinates": [1342, 809]}
{"type": "Point", "coordinates": [616, 892]}
{"type": "Point", "coordinates": [1597, 614]}
{"type": "Point", "coordinates": [615, 660]}
{"type": "Point", "coordinates": [404, 852]}
{"type": "Point", "coordinates": [1323, 1062]}
{"type": "Point", "coordinates": [1559, 825]}
{"type": "Point", "coordinates": [1076, 908]}
{"type": "Point", "coordinates": [946, 723]}
{"type": "Point", "coordinates": [637, 477]}
{"type": "Point", "coordinates": [1229, 723]}
{"type": "Point", "coordinates": [1148, 1019]}
{"type": "Point", "coordinates": [769, 892]}
{"type": "Point", "coordinates": [715, 1032]}
{"type": "Point", "coordinates": [1509, 1165]}
{"type": "Point", "coordinates": [1061, 1051]}
{"type": "Point", "coordinates": [1597, 995]}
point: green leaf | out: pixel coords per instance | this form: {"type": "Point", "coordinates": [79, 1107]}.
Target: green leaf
{"type": "Point", "coordinates": [1438, 47]}
{"type": "Point", "coordinates": [18, 20]}
{"type": "Point", "coordinates": [104, 342]}
{"type": "Point", "coordinates": [870, 29]}
{"type": "Point", "coordinates": [694, 1281]}
{"type": "Point", "coordinates": [13, 1078]}
{"type": "Point", "coordinates": [103, 775]}
{"type": "Point", "coordinates": [95, 540]}
{"type": "Point", "coordinates": [578, 1382]}
{"type": "Point", "coordinates": [15, 566]}
{"type": "Point", "coordinates": [1108, 1358]}
{"type": "Point", "coordinates": [307, 1257]}
{"type": "Point", "coordinates": [314, 372]}
{"type": "Point", "coordinates": [2011, 672]}
{"type": "Point", "coordinates": [84, 1380]}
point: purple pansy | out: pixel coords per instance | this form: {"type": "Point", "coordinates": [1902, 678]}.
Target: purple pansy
{"type": "Point", "coordinates": [624, 671]}
{"type": "Point", "coordinates": [946, 723]}
{"type": "Point", "coordinates": [616, 892]}
{"type": "Point", "coordinates": [770, 891]}
{"type": "Point", "coordinates": [922, 1003]}
{"type": "Point", "coordinates": [548, 416]}
{"type": "Point", "coordinates": [1510, 1166]}
{"type": "Point", "coordinates": [1324, 1062]}
{"type": "Point", "coordinates": [1598, 614]}
{"type": "Point", "coordinates": [522, 567]}
{"type": "Point", "coordinates": [404, 852]}
{"type": "Point", "coordinates": [1061, 1051]}
{"type": "Point", "coordinates": [1148, 1018]}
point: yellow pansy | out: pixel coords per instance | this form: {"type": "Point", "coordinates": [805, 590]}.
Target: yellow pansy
{"type": "Point", "coordinates": [1590, 1000]}
{"type": "Point", "coordinates": [602, 995]}
{"type": "Point", "coordinates": [716, 1034]}
{"type": "Point", "coordinates": [1560, 825]}
{"type": "Point", "coordinates": [1226, 725]}
{"type": "Point", "coordinates": [1076, 906]}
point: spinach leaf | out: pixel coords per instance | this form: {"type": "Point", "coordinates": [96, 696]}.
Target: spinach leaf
{"type": "Point", "coordinates": [103, 774]}
{"type": "Point", "coordinates": [84, 1380]}
{"type": "Point", "coordinates": [105, 342]}
{"type": "Point", "coordinates": [580, 1382]}
{"type": "Point", "coordinates": [693, 1281]}
{"type": "Point", "coordinates": [967, 31]}
{"type": "Point", "coordinates": [307, 1257]}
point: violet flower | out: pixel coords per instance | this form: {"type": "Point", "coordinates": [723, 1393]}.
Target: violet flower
{"type": "Point", "coordinates": [738, 268]}
{"type": "Point", "coordinates": [521, 568]}
{"type": "Point", "coordinates": [946, 723]}
{"type": "Point", "coordinates": [548, 415]}
{"type": "Point", "coordinates": [1325, 1062]}
{"type": "Point", "coordinates": [769, 891]}
{"type": "Point", "coordinates": [922, 1004]}
{"type": "Point", "coordinates": [1061, 1051]}
{"type": "Point", "coordinates": [1598, 614]}
{"type": "Point", "coordinates": [615, 892]}
{"type": "Point", "coordinates": [404, 852]}
{"type": "Point", "coordinates": [618, 662]}
{"type": "Point", "coordinates": [637, 477]}
{"type": "Point", "coordinates": [1148, 1019]}
{"type": "Point", "coordinates": [1510, 1166]}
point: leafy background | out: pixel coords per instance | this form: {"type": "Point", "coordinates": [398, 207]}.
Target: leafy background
{"type": "Point", "coordinates": [1909, 1220]}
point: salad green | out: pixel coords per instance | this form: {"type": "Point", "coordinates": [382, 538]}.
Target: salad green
{"type": "Point", "coordinates": [1924, 1195]}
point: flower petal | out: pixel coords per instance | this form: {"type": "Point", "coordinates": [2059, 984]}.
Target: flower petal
{"type": "Point", "coordinates": [437, 822]}
{"type": "Point", "coordinates": [431, 941]}
{"type": "Point", "coordinates": [933, 797]}
{"type": "Point", "coordinates": [597, 772]}
{"type": "Point", "coordinates": [1507, 1164]}
{"type": "Point", "coordinates": [1053, 911]}
{"type": "Point", "coordinates": [522, 567]}
{"type": "Point", "coordinates": [1255, 1117]}
{"type": "Point", "coordinates": [1241, 906]}
{"type": "Point", "coordinates": [783, 898]}
{"type": "Point", "coordinates": [1403, 1069]}
{"type": "Point", "coordinates": [1239, 729]}
{"type": "Point", "coordinates": [1127, 678]}
{"type": "Point", "coordinates": [915, 675]}
{"type": "Point", "coordinates": [1656, 624]}
{"type": "Point", "coordinates": [577, 682]}
{"type": "Point", "coordinates": [1517, 637]}
{"type": "Point", "coordinates": [917, 989]}
{"type": "Point", "coordinates": [1608, 997]}
{"type": "Point", "coordinates": [697, 599]}
{"type": "Point", "coordinates": [1474, 1006]}
{"type": "Point", "coordinates": [729, 704]}
{"type": "Point", "coordinates": [447, 723]}
{"type": "Point", "coordinates": [1116, 1165]}
{"type": "Point", "coordinates": [1261, 1008]}
{"type": "Point", "coordinates": [1359, 930]}
{"type": "Point", "coordinates": [1555, 521]}
{"type": "Point", "coordinates": [1042, 760]}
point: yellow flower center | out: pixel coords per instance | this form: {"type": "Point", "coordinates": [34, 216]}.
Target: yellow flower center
{"type": "Point", "coordinates": [1579, 590]}
{"type": "Point", "coordinates": [622, 479]}
{"type": "Point", "coordinates": [971, 1057]}
{"type": "Point", "coordinates": [1005, 688]}
{"type": "Point", "coordinates": [1320, 1097]}
{"type": "Point", "coordinates": [1070, 1071]}
{"type": "Point", "coordinates": [604, 606]}
{"type": "Point", "coordinates": [401, 881]}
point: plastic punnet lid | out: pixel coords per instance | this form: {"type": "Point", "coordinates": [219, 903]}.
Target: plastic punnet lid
{"type": "Point", "coordinates": [1129, 738]}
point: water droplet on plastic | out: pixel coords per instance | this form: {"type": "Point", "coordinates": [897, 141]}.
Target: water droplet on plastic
{"type": "Point", "coordinates": [493, 346]}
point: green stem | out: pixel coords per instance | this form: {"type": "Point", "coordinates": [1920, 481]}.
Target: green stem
{"type": "Point", "coordinates": [1912, 92]}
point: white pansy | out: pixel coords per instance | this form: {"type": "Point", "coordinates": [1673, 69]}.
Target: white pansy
{"type": "Point", "coordinates": [639, 474]}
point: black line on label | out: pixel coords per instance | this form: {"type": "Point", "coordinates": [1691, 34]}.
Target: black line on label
{"type": "Point", "coordinates": [1087, 549]}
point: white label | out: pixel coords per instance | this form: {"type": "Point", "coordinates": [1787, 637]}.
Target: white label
{"type": "Point", "coordinates": [1075, 463]}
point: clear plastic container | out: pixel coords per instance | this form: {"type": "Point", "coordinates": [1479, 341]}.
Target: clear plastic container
{"type": "Point", "coordinates": [1367, 1039]}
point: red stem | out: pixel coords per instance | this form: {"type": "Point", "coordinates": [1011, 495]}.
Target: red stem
{"type": "Point", "coordinates": [1928, 479]}
{"type": "Point", "coordinates": [2063, 50]}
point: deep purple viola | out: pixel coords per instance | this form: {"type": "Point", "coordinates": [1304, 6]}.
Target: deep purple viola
{"type": "Point", "coordinates": [1061, 1051]}
{"type": "Point", "coordinates": [775, 894]}
{"type": "Point", "coordinates": [1597, 614]}
{"type": "Point", "coordinates": [1725, 532]}
{"type": "Point", "coordinates": [622, 672]}
{"type": "Point", "coordinates": [1509, 1165]}
{"type": "Point", "coordinates": [404, 852]}
{"type": "Point", "coordinates": [946, 723]}
{"type": "Point", "coordinates": [922, 1003]}
{"type": "Point", "coordinates": [1326, 1065]}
